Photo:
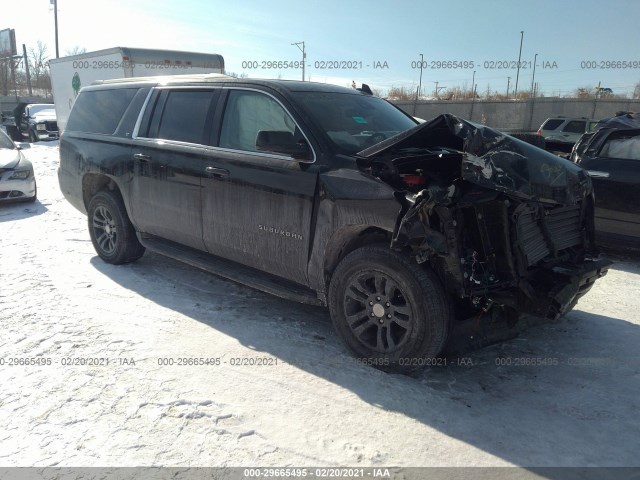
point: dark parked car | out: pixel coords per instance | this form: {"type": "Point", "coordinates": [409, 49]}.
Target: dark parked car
{"type": "Point", "coordinates": [612, 158]}
{"type": "Point", "coordinates": [335, 197]}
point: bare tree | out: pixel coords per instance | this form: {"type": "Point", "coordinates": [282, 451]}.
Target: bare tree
{"type": "Point", "coordinates": [38, 62]}
{"type": "Point", "coordinates": [75, 51]}
{"type": "Point", "coordinates": [636, 91]}
{"type": "Point", "coordinates": [236, 75]}
{"type": "Point", "coordinates": [582, 92]}
{"type": "Point", "coordinates": [401, 93]}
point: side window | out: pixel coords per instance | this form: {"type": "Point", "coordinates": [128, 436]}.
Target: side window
{"type": "Point", "coordinates": [552, 124]}
{"type": "Point", "coordinates": [625, 148]}
{"type": "Point", "coordinates": [246, 114]}
{"type": "Point", "coordinates": [575, 126]}
{"type": "Point", "coordinates": [184, 115]}
{"type": "Point", "coordinates": [100, 111]}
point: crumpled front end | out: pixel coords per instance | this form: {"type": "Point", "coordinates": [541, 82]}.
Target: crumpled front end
{"type": "Point", "coordinates": [505, 224]}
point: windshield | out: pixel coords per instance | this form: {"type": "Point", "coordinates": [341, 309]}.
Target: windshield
{"type": "Point", "coordinates": [5, 141]}
{"type": "Point", "coordinates": [42, 108]}
{"type": "Point", "coordinates": [354, 122]}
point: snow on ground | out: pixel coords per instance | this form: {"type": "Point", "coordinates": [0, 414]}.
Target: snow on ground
{"type": "Point", "coordinates": [60, 303]}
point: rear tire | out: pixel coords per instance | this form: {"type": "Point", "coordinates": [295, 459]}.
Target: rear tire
{"type": "Point", "coordinates": [111, 231]}
{"type": "Point", "coordinates": [390, 311]}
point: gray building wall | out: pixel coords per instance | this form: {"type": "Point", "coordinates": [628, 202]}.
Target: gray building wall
{"type": "Point", "coordinates": [522, 115]}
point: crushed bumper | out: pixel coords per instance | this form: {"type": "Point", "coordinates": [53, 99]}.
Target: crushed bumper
{"type": "Point", "coordinates": [579, 281]}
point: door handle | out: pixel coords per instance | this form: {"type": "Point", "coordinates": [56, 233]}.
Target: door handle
{"type": "Point", "coordinates": [141, 157]}
{"type": "Point", "coordinates": [598, 174]}
{"type": "Point", "coordinates": [216, 172]}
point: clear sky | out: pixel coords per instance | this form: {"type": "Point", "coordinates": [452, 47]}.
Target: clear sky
{"type": "Point", "coordinates": [389, 34]}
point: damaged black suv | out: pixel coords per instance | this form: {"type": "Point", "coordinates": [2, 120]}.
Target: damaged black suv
{"type": "Point", "coordinates": [332, 196]}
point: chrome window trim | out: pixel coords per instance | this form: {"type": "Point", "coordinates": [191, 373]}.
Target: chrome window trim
{"type": "Point", "coordinates": [153, 142]}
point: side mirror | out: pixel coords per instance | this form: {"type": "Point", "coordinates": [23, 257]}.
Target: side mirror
{"type": "Point", "coordinates": [282, 142]}
{"type": "Point", "coordinates": [22, 145]}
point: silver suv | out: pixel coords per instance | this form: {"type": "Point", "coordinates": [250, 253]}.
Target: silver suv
{"type": "Point", "coordinates": [565, 130]}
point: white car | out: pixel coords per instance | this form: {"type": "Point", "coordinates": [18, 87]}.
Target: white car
{"type": "Point", "coordinates": [564, 130]}
{"type": "Point", "coordinates": [17, 180]}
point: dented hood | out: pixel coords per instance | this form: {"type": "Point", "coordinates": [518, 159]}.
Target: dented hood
{"type": "Point", "coordinates": [492, 159]}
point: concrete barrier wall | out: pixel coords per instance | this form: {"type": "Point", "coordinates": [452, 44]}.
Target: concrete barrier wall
{"type": "Point", "coordinates": [522, 115]}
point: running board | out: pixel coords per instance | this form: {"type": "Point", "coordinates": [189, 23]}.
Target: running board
{"type": "Point", "coordinates": [235, 272]}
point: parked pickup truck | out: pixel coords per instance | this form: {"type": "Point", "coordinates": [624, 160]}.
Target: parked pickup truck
{"type": "Point", "coordinates": [332, 196]}
{"type": "Point", "coordinates": [38, 122]}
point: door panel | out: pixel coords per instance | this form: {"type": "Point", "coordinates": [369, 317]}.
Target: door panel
{"type": "Point", "coordinates": [257, 206]}
{"type": "Point", "coordinates": [616, 183]}
{"type": "Point", "coordinates": [166, 191]}
{"type": "Point", "coordinates": [259, 213]}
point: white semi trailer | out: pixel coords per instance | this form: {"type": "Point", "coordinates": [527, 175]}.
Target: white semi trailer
{"type": "Point", "coordinates": [70, 74]}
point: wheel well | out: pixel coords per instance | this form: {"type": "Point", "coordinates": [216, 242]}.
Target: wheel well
{"type": "Point", "coordinates": [93, 183]}
{"type": "Point", "coordinates": [349, 239]}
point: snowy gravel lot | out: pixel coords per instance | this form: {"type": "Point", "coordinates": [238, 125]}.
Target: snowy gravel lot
{"type": "Point", "coordinates": [312, 405]}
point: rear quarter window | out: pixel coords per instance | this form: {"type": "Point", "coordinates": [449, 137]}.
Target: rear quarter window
{"type": "Point", "coordinates": [552, 124]}
{"type": "Point", "coordinates": [575, 126]}
{"type": "Point", "coordinates": [100, 111]}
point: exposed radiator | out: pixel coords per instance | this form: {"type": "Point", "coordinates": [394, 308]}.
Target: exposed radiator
{"type": "Point", "coordinates": [530, 237]}
{"type": "Point", "coordinates": [562, 227]}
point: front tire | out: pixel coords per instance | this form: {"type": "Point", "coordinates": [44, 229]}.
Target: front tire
{"type": "Point", "coordinates": [388, 309]}
{"type": "Point", "coordinates": [111, 231]}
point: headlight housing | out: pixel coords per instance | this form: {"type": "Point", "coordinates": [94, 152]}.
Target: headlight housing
{"type": "Point", "coordinates": [41, 127]}
{"type": "Point", "coordinates": [20, 175]}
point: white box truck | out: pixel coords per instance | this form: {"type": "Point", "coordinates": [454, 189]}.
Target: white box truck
{"type": "Point", "coordinates": [70, 74]}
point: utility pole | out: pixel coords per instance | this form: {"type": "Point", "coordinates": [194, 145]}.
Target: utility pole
{"type": "Point", "coordinates": [304, 55]}
{"type": "Point", "coordinates": [415, 101]}
{"type": "Point", "coordinates": [55, 19]}
{"type": "Point", "coordinates": [533, 78]}
{"type": "Point", "coordinates": [26, 68]}
{"type": "Point", "coordinates": [519, 57]}
{"type": "Point", "coordinates": [473, 96]}
{"type": "Point", "coordinates": [420, 83]}
{"type": "Point", "coordinates": [595, 100]}
{"type": "Point", "coordinates": [473, 81]}
{"type": "Point", "coordinates": [508, 82]}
